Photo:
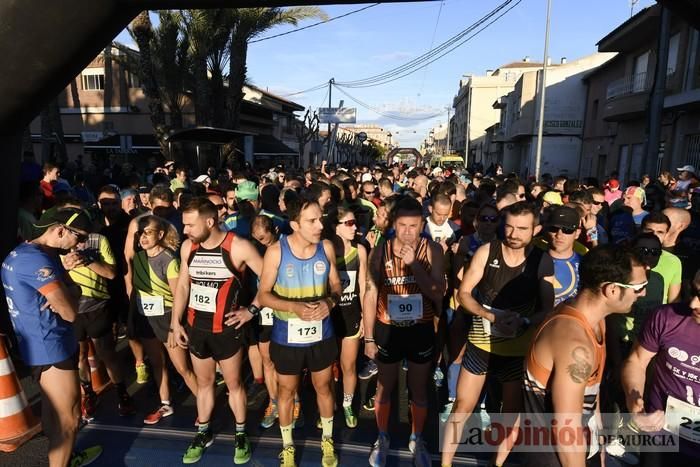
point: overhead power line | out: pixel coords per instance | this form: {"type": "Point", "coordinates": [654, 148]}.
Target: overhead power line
{"type": "Point", "coordinates": [436, 53]}
{"type": "Point", "coordinates": [314, 24]}
{"type": "Point", "coordinates": [388, 115]}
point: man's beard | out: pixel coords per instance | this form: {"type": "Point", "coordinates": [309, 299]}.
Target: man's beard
{"type": "Point", "coordinates": [200, 238]}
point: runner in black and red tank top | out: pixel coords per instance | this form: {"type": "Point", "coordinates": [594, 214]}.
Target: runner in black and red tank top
{"type": "Point", "coordinates": [215, 284]}
{"type": "Point", "coordinates": [208, 286]}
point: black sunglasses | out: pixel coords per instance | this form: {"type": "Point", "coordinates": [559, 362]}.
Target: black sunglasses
{"type": "Point", "coordinates": [78, 236]}
{"type": "Point", "coordinates": [646, 251]}
{"type": "Point", "coordinates": [555, 228]}
{"type": "Point", "coordinates": [219, 207]}
{"type": "Point", "coordinates": [369, 192]}
{"type": "Point", "coordinates": [598, 203]}
{"type": "Point", "coordinates": [348, 223]}
{"type": "Point", "coordinates": [488, 218]}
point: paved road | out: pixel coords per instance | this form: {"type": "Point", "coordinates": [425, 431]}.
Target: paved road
{"type": "Point", "coordinates": [127, 442]}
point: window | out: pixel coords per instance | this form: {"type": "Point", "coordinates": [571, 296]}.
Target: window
{"type": "Point", "coordinates": [623, 163]}
{"type": "Point", "coordinates": [673, 53]}
{"type": "Point", "coordinates": [132, 80]}
{"type": "Point", "coordinates": [636, 169]}
{"type": "Point", "coordinates": [639, 78]}
{"type": "Point", "coordinates": [594, 110]}
{"type": "Point", "coordinates": [93, 79]}
{"type": "Point", "coordinates": [692, 155]}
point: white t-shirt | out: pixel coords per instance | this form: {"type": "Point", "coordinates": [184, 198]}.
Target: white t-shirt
{"type": "Point", "coordinates": [439, 232]}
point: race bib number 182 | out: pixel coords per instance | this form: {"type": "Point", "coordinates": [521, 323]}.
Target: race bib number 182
{"type": "Point", "coordinates": [203, 298]}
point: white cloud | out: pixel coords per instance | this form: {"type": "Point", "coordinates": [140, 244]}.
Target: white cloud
{"type": "Point", "coordinates": [391, 56]}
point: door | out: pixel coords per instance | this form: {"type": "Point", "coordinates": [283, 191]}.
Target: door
{"type": "Point", "coordinates": [639, 79]}
{"type": "Point", "coordinates": [602, 166]}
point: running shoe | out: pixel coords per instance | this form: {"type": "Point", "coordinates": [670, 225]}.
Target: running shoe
{"type": "Point", "coordinates": [286, 457]}
{"type": "Point", "coordinates": [350, 417]}
{"type": "Point", "coordinates": [163, 411]}
{"type": "Point", "coordinates": [298, 416]}
{"type": "Point", "coordinates": [329, 458]}
{"type": "Point", "coordinates": [125, 406]}
{"type": "Point", "coordinates": [242, 452]}
{"type": "Point", "coordinates": [85, 457]}
{"type": "Point", "coordinates": [142, 375]}
{"type": "Point", "coordinates": [484, 418]}
{"type": "Point", "coordinates": [369, 405]}
{"type": "Point", "coordinates": [88, 406]}
{"type": "Point", "coordinates": [256, 395]}
{"type": "Point", "coordinates": [202, 440]}
{"type": "Point", "coordinates": [370, 369]}
{"type": "Point", "coordinates": [446, 411]}
{"type": "Point", "coordinates": [618, 450]}
{"type": "Point", "coordinates": [271, 414]}
{"type": "Point", "coordinates": [438, 377]}
{"type": "Point", "coordinates": [421, 456]}
{"type": "Point", "coordinates": [380, 451]}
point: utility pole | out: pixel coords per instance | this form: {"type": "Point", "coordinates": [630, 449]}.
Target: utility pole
{"type": "Point", "coordinates": [656, 99]}
{"type": "Point", "coordinates": [448, 130]}
{"type": "Point", "coordinates": [330, 95]}
{"type": "Point", "coordinates": [543, 86]}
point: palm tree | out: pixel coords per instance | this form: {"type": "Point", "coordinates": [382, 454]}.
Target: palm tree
{"type": "Point", "coordinates": [246, 24]}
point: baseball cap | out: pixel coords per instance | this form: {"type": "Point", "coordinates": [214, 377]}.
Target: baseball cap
{"type": "Point", "coordinates": [203, 179]}
{"type": "Point", "coordinates": [564, 216]}
{"type": "Point", "coordinates": [637, 192]}
{"type": "Point", "coordinates": [70, 217]}
{"type": "Point", "coordinates": [247, 191]}
{"type": "Point", "coordinates": [366, 177]}
{"type": "Point", "coordinates": [169, 163]}
{"type": "Point", "coordinates": [128, 193]}
{"type": "Point", "coordinates": [686, 168]}
{"type": "Point", "coordinates": [552, 197]}
{"type": "Point", "coordinates": [613, 183]}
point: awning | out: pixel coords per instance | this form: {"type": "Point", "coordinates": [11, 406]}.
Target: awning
{"type": "Point", "coordinates": [267, 145]}
{"type": "Point", "coordinates": [125, 144]}
{"type": "Point", "coordinates": [206, 135]}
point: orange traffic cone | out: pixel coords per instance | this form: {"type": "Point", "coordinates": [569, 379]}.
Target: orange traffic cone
{"type": "Point", "coordinates": [98, 375]}
{"type": "Point", "coordinates": [17, 422]}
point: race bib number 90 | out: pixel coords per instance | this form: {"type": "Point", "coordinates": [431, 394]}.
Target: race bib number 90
{"type": "Point", "coordinates": [405, 307]}
{"type": "Point", "coordinates": [304, 332]}
{"type": "Point", "coordinates": [683, 419]}
{"type": "Point", "coordinates": [203, 298]}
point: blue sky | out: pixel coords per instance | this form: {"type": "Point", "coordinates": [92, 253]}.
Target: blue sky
{"type": "Point", "coordinates": [388, 35]}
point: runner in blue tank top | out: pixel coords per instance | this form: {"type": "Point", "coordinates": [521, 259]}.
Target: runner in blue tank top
{"type": "Point", "coordinates": [301, 284]}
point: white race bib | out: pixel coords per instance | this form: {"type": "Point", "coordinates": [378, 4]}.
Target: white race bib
{"type": "Point", "coordinates": [151, 305]}
{"type": "Point", "coordinates": [304, 332]}
{"type": "Point", "coordinates": [405, 307]}
{"type": "Point", "coordinates": [266, 316]}
{"type": "Point", "coordinates": [683, 419]}
{"type": "Point", "coordinates": [348, 280]}
{"type": "Point", "coordinates": [203, 298]}
{"type": "Point", "coordinates": [489, 328]}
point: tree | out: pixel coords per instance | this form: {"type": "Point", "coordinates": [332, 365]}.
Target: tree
{"type": "Point", "coordinates": [247, 23]}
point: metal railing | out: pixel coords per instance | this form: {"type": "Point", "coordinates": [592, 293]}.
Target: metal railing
{"type": "Point", "coordinates": [638, 82]}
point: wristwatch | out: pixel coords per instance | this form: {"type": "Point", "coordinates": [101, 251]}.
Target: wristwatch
{"type": "Point", "coordinates": [253, 310]}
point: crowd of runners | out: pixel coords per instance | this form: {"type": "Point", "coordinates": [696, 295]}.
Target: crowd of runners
{"type": "Point", "coordinates": [530, 300]}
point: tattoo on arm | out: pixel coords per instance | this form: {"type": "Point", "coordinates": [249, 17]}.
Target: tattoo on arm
{"type": "Point", "coordinates": [581, 368]}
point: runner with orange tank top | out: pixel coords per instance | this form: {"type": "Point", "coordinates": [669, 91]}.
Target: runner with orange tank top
{"type": "Point", "coordinates": [564, 366]}
{"type": "Point", "coordinates": [405, 287]}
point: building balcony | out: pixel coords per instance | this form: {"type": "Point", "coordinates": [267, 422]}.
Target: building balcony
{"type": "Point", "coordinates": [637, 83]}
